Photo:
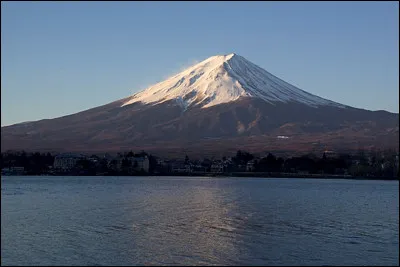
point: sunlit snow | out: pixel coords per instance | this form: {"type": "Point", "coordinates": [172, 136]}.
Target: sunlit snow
{"type": "Point", "coordinates": [222, 79]}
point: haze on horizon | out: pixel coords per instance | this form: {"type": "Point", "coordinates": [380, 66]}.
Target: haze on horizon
{"type": "Point", "coordinates": [60, 58]}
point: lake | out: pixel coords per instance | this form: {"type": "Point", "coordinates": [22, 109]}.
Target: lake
{"type": "Point", "coordinates": [49, 220]}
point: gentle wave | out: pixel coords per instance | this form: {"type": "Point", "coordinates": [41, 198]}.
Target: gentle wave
{"type": "Point", "coordinates": [142, 221]}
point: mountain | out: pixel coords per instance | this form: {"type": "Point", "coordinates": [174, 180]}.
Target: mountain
{"type": "Point", "coordinates": [223, 79]}
{"type": "Point", "coordinates": [215, 107]}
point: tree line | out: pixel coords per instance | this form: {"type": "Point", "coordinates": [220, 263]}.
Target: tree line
{"type": "Point", "coordinates": [361, 164]}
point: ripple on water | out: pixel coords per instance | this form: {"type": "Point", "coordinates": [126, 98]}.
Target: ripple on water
{"type": "Point", "coordinates": [166, 221]}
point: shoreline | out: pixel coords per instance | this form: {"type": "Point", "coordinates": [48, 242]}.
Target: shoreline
{"type": "Point", "coordinates": [259, 175]}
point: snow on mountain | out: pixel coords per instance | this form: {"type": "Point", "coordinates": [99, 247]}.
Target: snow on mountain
{"type": "Point", "coordinates": [222, 79]}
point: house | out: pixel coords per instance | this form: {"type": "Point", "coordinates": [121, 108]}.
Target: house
{"type": "Point", "coordinates": [135, 163]}
{"type": "Point", "coordinates": [250, 166]}
{"type": "Point", "coordinates": [199, 168]}
{"type": "Point", "coordinates": [140, 163]}
{"type": "Point", "coordinates": [93, 159]}
{"type": "Point", "coordinates": [67, 161]}
{"type": "Point", "coordinates": [13, 171]}
{"type": "Point", "coordinates": [217, 167]}
{"type": "Point", "coordinates": [180, 166]}
{"type": "Point", "coordinates": [228, 161]}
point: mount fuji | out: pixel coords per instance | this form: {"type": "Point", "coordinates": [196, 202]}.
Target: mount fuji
{"type": "Point", "coordinates": [215, 107]}
{"type": "Point", "coordinates": [223, 79]}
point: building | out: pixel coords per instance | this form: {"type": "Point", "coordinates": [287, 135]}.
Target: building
{"type": "Point", "coordinates": [66, 161]}
{"type": "Point", "coordinates": [181, 167]}
{"type": "Point", "coordinates": [217, 167]}
{"type": "Point", "coordinates": [135, 163]}
{"type": "Point", "coordinates": [250, 166]}
{"type": "Point", "coordinates": [141, 163]}
{"type": "Point", "coordinates": [13, 171]}
{"type": "Point", "coordinates": [199, 168]}
{"type": "Point", "coordinates": [94, 159]}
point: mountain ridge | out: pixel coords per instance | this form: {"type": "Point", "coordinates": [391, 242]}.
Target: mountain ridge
{"type": "Point", "coordinates": [222, 103]}
{"type": "Point", "coordinates": [225, 78]}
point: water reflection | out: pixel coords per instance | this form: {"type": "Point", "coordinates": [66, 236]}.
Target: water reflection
{"type": "Point", "coordinates": [197, 221]}
{"type": "Point", "coordinates": [187, 225]}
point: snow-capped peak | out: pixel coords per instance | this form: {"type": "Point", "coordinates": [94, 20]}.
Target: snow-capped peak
{"type": "Point", "coordinates": [222, 79]}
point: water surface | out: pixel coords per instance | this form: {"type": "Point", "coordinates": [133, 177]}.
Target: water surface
{"type": "Point", "coordinates": [198, 221]}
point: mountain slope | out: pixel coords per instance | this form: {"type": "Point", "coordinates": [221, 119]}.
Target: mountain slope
{"type": "Point", "coordinates": [222, 104]}
{"type": "Point", "coordinates": [222, 79]}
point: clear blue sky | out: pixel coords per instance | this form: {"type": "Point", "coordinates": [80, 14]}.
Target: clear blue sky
{"type": "Point", "coordinates": [58, 58]}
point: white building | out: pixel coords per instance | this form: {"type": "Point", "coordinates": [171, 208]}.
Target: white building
{"type": "Point", "coordinates": [66, 161]}
{"type": "Point", "coordinates": [250, 166]}
{"type": "Point", "coordinates": [217, 167]}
